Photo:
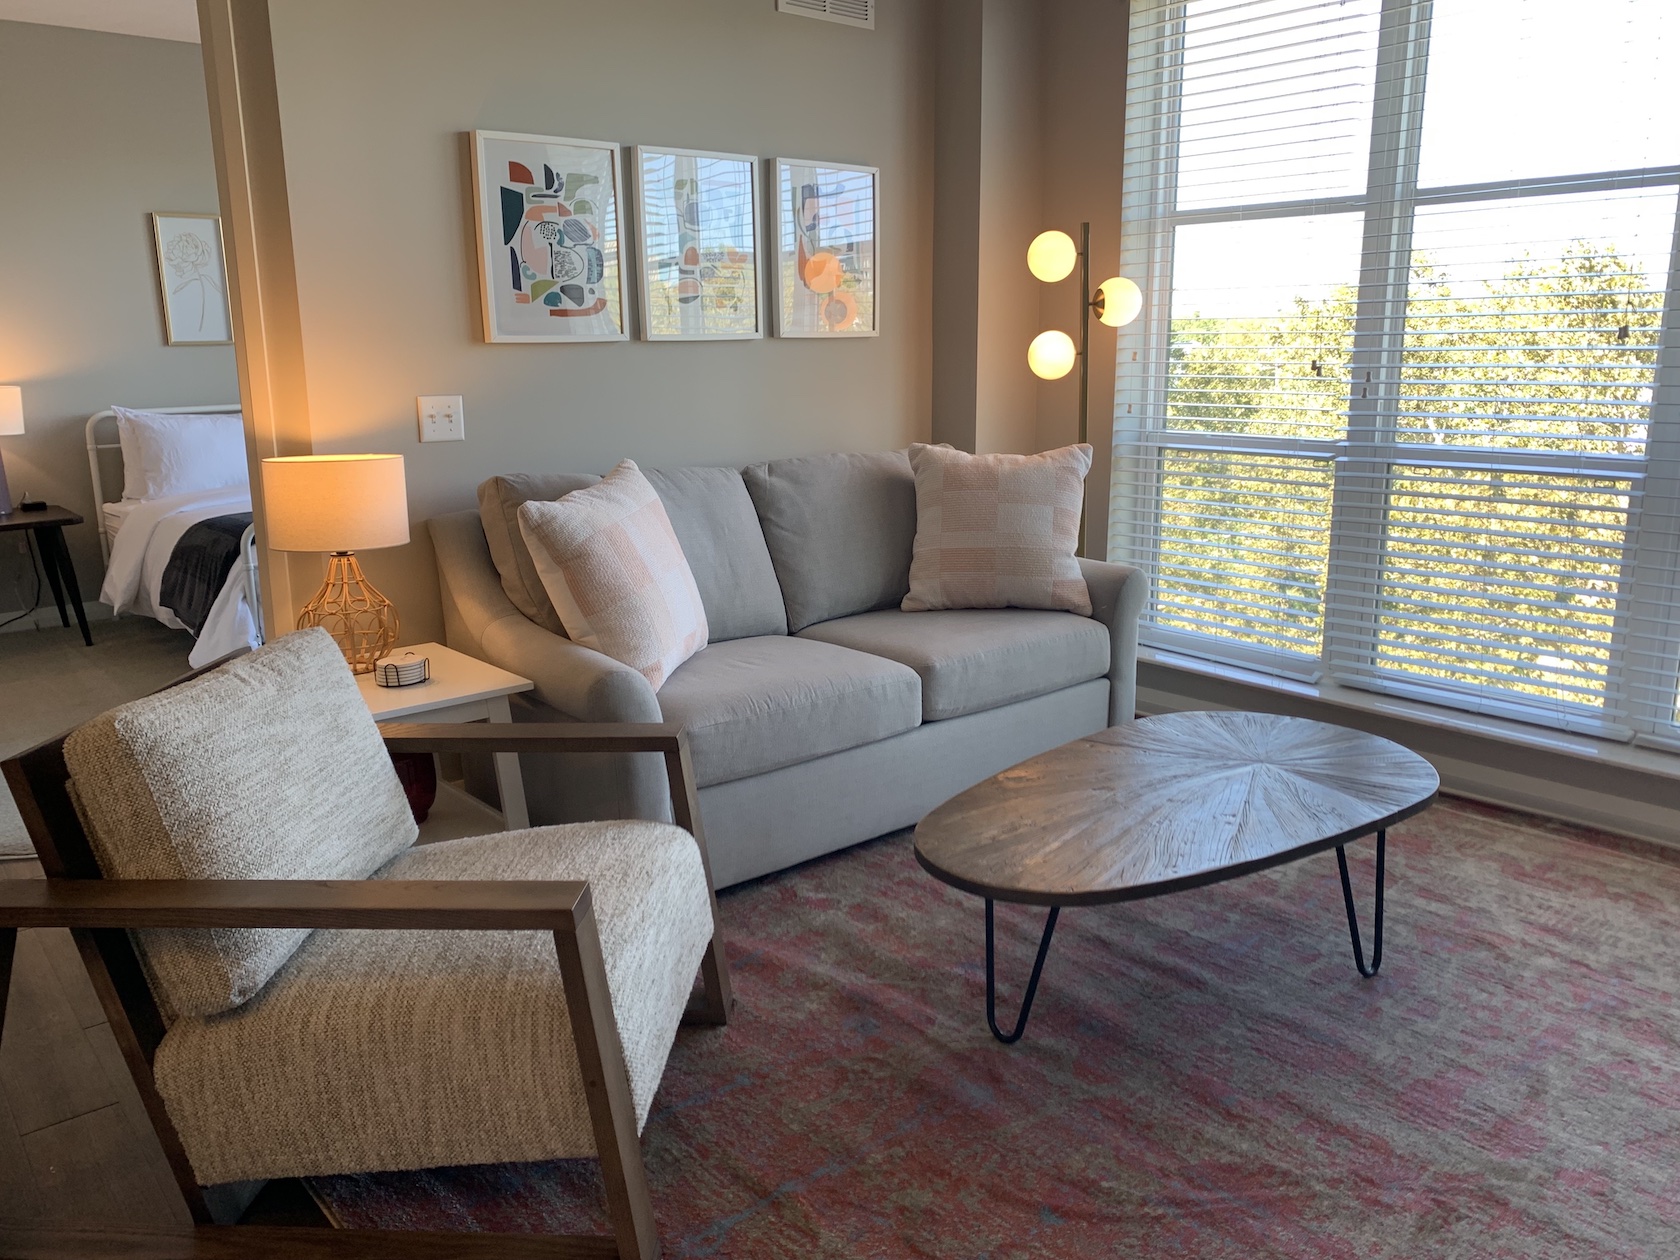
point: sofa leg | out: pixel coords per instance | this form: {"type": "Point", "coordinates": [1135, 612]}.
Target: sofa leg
{"type": "Point", "coordinates": [606, 1086]}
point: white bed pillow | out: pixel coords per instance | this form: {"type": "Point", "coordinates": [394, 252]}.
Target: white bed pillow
{"type": "Point", "coordinates": [165, 454]}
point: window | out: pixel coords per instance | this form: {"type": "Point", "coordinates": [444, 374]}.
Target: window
{"type": "Point", "coordinates": [1403, 411]}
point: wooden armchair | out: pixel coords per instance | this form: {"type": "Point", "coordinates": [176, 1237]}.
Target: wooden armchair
{"type": "Point", "coordinates": [113, 921]}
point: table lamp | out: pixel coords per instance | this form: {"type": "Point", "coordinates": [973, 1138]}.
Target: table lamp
{"type": "Point", "coordinates": [341, 504]}
{"type": "Point", "coordinates": [11, 425]}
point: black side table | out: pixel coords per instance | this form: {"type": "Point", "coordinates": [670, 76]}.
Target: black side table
{"type": "Point", "coordinates": [55, 557]}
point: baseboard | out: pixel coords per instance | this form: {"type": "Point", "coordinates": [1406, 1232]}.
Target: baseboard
{"type": "Point", "coordinates": [46, 618]}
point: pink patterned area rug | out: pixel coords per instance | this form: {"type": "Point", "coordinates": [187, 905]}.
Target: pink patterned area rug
{"type": "Point", "coordinates": [1204, 1074]}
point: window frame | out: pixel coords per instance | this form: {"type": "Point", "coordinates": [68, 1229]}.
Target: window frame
{"type": "Point", "coordinates": [1644, 669]}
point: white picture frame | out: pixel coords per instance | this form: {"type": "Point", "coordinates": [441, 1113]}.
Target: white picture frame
{"type": "Point", "coordinates": [581, 297]}
{"type": "Point", "coordinates": [192, 278]}
{"type": "Point", "coordinates": [825, 215]}
{"type": "Point", "coordinates": [699, 249]}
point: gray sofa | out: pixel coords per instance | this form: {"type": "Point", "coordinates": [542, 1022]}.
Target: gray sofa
{"type": "Point", "coordinates": [819, 715]}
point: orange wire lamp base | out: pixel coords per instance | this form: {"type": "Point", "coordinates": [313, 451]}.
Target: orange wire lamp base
{"type": "Point", "coordinates": [362, 620]}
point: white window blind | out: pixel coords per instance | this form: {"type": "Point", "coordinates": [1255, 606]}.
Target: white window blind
{"type": "Point", "coordinates": [1404, 407]}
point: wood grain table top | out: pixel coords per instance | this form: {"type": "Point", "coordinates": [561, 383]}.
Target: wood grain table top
{"type": "Point", "coordinates": [1168, 803]}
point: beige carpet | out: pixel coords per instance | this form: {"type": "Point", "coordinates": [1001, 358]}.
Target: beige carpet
{"type": "Point", "coordinates": [49, 681]}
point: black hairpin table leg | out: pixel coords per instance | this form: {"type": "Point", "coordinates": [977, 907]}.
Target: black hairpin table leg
{"type": "Point", "coordinates": [1353, 919]}
{"type": "Point", "coordinates": [1010, 1039]}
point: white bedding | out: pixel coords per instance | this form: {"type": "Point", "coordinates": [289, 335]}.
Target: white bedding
{"type": "Point", "coordinates": [140, 552]}
{"type": "Point", "coordinates": [115, 514]}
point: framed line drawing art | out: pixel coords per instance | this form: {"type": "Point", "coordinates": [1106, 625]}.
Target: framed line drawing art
{"type": "Point", "coordinates": [550, 266]}
{"type": "Point", "coordinates": [192, 279]}
{"type": "Point", "coordinates": [699, 245]}
{"type": "Point", "coordinates": [826, 237]}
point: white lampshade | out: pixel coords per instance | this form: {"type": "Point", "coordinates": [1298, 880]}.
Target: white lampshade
{"type": "Point", "coordinates": [11, 410]}
{"type": "Point", "coordinates": [1121, 301]}
{"type": "Point", "coordinates": [1051, 256]}
{"type": "Point", "coordinates": [335, 502]}
{"type": "Point", "coordinates": [1052, 355]}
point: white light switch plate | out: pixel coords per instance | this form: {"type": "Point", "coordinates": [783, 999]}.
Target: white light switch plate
{"type": "Point", "coordinates": [442, 418]}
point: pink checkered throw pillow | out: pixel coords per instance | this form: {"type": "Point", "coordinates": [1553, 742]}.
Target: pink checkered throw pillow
{"type": "Point", "coordinates": [609, 560]}
{"type": "Point", "coordinates": [998, 531]}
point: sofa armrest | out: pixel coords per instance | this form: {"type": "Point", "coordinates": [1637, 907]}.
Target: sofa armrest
{"type": "Point", "coordinates": [1117, 595]}
{"type": "Point", "coordinates": [579, 682]}
{"type": "Point", "coordinates": [480, 620]}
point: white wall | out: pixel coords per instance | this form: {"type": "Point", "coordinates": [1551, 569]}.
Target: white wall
{"type": "Point", "coordinates": [375, 98]}
{"type": "Point", "coordinates": [96, 132]}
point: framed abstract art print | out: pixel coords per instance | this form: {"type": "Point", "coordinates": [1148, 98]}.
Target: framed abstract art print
{"type": "Point", "coordinates": [192, 279]}
{"type": "Point", "coordinates": [550, 265]}
{"type": "Point", "coordinates": [826, 222]}
{"type": "Point", "coordinates": [699, 246]}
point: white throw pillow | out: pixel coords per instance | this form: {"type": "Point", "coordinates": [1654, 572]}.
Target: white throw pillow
{"type": "Point", "coordinates": [998, 531]}
{"type": "Point", "coordinates": [165, 455]}
{"type": "Point", "coordinates": [609, 560]}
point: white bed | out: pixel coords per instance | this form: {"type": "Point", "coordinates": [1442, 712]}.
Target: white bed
{"type": "Point", "coordinates": [138, 536]}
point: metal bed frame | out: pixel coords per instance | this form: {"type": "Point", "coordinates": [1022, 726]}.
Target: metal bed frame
{"type": "Point", "coordinates": [108, 419]}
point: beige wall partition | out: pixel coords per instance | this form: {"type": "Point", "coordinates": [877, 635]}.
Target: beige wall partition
{"type": "Point", "coordinates": [262, 277]}
{"type": "Point", "coordinates": [376, 99]}
{"type": "Point", "coordinates": [97, 131]}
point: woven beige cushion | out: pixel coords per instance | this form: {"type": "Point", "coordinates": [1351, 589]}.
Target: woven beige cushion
{"type": "Point", "coordinates": [403, 1049]}
{"type": "Point", "coordinates": [611, 563]}
{"type": "Point", "coordinates": [998, 531]}
{"type": "Point", "coordinates": [269, 767]}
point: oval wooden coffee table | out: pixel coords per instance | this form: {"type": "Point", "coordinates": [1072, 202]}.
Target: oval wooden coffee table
{"type": "Point", "coordinates": [1169, 803]}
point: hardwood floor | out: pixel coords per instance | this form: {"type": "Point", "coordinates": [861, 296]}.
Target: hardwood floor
{"type": "Point", "coordinates": [75, 1145]}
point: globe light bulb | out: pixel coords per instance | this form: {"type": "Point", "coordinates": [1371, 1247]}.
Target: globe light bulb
{"type": "Point", "coordinates": [1051, 256]}
{"type": "Point", "coordinates": [1120, 299]}
{"type": "Point", "coordinates": [1051, 355]}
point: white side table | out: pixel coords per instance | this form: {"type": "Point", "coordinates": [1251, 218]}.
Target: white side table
{"type": "Point", "coordinates": [461, 689]}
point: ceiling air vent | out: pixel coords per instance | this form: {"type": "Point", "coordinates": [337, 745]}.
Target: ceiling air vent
{"type": "Point", "coordinates": [849, 12]}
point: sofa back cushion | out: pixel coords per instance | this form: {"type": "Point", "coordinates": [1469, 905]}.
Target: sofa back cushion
{"type": "Point", "coordinates": [269, 767]}
{"type": "Point", "coordinates": [840, 529]}
{"type": "Point", "coordinates": [714, 520]}
{"type": "Point", "coordinates": [498, 509]}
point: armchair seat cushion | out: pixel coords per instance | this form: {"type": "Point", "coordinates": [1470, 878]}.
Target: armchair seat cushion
{"type": "Point", "coordinates": [970, 660]}
{"type": "Point", "coordinates": [415, 1049]}
{"type": "Point", "coordinates": [754, 705]}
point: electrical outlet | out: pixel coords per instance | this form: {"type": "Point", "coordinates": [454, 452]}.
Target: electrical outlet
{"type": "Point", "coordinates": [442, 418]}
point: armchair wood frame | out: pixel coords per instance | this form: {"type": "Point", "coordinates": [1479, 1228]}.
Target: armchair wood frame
{"type": "Point", "coordinates": [101, 913]}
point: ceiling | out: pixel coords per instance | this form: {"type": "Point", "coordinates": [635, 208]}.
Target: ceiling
{"type": "Point", "coordinates": [159, 19]}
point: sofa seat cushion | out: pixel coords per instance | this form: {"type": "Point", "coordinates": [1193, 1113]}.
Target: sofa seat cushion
{"type": "Point", "coordinates": [754, 705]}
{"type": "Point", "coordinates": [417, 1049]}
{"type": "Point", "coordinates": [970, 660]}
